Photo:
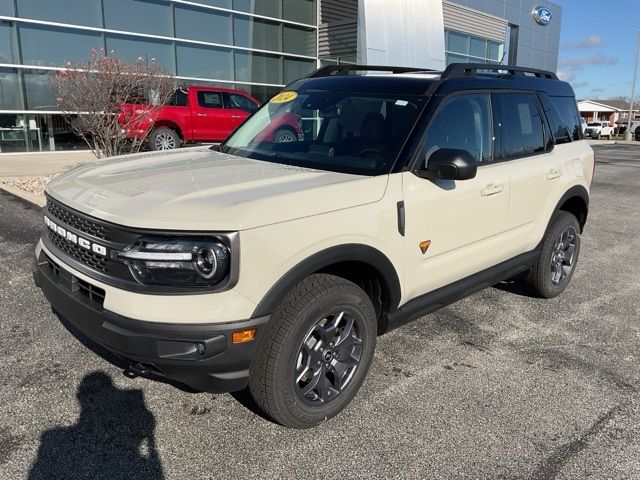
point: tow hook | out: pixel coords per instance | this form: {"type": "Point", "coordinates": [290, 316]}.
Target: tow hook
{"type": "Point", "coordinates": [137, 369]}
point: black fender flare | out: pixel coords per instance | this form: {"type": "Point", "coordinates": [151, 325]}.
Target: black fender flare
{"type": "Point", "coordinates": [349, 252]}
{"type": "Point", "coordinates": [576, 191]}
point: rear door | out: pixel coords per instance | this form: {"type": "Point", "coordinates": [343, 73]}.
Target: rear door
{"type": "Point", "coordinates": [239, 108]}
{"type": "Point", "coordinates": [210, 118]}
{"type": "Point", "coordinates": [463, 221]}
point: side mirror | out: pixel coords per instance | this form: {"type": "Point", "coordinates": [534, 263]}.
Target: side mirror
{"type": "Point", "coordinates": [449, 164]}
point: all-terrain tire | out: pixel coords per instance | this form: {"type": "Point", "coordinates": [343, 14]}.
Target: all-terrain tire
{"type": "Point", "coordinates": [543, 279]}
{"type": "Point", "coordinates": [273, 382]}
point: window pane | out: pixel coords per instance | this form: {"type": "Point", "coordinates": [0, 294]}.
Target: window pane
{"type": "Point", "coordinates": [268, 8]}
{"type": "Point", "coordinates": [143, 16]}
{"type": "Point", "coordinates": [295, 69]}
{"type": "Point", "coordinates": [204, 62]}
{"type": "Point", "coordinates": [203, 24]}
{"type": "Point", "coordinates": [40, 95]}
{"type": "Point", "coordinates": [462, 123]}
{"type": "Point", "coordinates": [10, 94]}
{"type": "Point", "coordinates": [258, 67]}
{"type": "Point", "coordinates": [81, 12]}
{"type": "Point", "coordinates": [568, 111]}
{"type": "Point", "coordinates": [42, 45]}
{"type": "Point", "coordinates": [495, 51]}
{"type": "Point", "coordinates": [218, 3]}
{"type": "Point", "coordinates": [6, 8]}
{"type": "Point", "coordinates": [559, 129]}
{"type": "Point", "coordinates": [261, 92]}
{"type": "Point", "coordinates": [256, 33]}
{"type": "Point", "coordinates": [458, 43]}
{"type": "Point", "coordinates": [209, 99]}
{"type": "Point", "coordinates": [8, 43]}
{"type": "Point", "coordinates": [456, 58]}
{"type": "Point", "coordinates": [521, 125]}
{"type": "Point", "coordinates": [301, 41]}
{"type": "Point", "coordinates": [158, 51]}
{"type": "Point", "coordinates": [303, 11]}
{"type": "Point", "coordinates": [179, 98]}
{"type": "Point", "coordinates": [478, 47]}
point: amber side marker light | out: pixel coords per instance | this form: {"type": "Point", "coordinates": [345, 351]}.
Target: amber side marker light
{"type": "Point", "coordinates": [424, 246]}
{"type": "Point", "coordinates": [242, 336]}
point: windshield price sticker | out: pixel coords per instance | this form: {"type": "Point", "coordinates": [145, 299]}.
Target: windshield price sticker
{"type": "Point", "coordinates": [284, 97]}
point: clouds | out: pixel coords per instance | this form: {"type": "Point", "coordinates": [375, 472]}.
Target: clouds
{"type": "Point", "coordinates": [578, 63]}
{"type": "Point", "coordinates": [589, 42]}
{"type": "Point", "coordinates": [566, 76]}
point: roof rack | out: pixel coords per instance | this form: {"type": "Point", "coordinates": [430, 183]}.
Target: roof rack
{"type": "Point", "coordinates": [458, 70]}
{"type": "Point", "coordinates": [334, 70]}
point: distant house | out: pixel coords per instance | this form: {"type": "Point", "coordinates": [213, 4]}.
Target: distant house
{"type": "Point", "coordinates": [616, 112]}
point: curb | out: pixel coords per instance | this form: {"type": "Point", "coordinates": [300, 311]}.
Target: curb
{"type": "Point", "coordinates": [37, 200]}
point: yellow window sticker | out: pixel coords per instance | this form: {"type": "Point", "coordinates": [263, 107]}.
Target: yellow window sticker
{"type": "Point", "coordinates": [284, 97]}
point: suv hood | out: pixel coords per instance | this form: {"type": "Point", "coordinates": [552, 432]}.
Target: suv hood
{"type": "Point", "coordinates": [200, 189]}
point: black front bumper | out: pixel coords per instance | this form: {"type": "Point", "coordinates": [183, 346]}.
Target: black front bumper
{"type": "Point", "coordinates": [200, 356]}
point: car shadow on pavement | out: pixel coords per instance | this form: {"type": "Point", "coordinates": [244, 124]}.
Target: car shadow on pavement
{"type": "Point", "coordinates": [112, 439]}
{"type": "Point", "coordinates": [514, 285]}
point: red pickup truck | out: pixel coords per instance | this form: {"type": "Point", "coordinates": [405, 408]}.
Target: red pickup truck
{"type": "Point", "coordinates": [197, 114]}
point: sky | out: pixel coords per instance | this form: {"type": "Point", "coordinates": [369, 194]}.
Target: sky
{"type": "Point", "coordinates": [598, 43]}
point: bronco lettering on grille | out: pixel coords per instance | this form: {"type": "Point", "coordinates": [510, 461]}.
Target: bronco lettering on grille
{"type": "Point", "coordinates": [75, 239]}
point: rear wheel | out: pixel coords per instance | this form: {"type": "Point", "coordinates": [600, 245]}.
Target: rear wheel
{"type": "Point", "coordinates": [316, 352]}
{"type": "Point", "coordinates": [638, 134]}
{"type": "Point", "coordinates": [284, 135]}
{"type": "Point", "coordinates": [164, 139]}
{"type": "Point", "coordinates": [558, 257]}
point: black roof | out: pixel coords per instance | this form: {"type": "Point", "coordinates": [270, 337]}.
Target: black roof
{"type": "Point", "coordinates": [413, 81]}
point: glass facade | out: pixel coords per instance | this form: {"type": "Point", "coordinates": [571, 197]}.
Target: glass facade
{"type": "Point", "coordinates": [254, 45]}
{"type": "Point", "coordinates": [462, 47]}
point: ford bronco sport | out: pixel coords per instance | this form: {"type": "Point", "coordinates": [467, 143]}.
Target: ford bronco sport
{"type": "Point", "coordinates": [275, 265]}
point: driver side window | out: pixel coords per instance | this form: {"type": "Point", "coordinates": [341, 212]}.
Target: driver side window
{"type": "Point", "coordinates": [463, 123]}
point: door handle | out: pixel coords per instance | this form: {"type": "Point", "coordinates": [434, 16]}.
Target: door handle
{"type": "Point", "coordinates": [201, 114]}
{"type": "Point", "coordinates": [492, 189]}
{"type": "Point", "coordinates": [553, 173]}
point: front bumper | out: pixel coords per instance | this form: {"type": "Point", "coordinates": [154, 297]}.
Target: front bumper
{"type": "Point", "coordinates": [201, 356]}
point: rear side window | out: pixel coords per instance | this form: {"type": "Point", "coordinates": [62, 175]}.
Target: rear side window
{"type": "Point", "coordinates": [464, 123]}
{"type": "Point", "coordinates": [520, 125]}
{"type": "Point", "coordinates": [561, 133]}
{"type": "Point", "coordinates": [209, 99]}
{"type": "Point", "coordinates": [568, 110]}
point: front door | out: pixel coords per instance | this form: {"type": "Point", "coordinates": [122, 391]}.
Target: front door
{"type": "Point", "coordinates": [239, 108]}
{"type": "Point", "coordinates": [464, 221]}
{"type": "Point", "coordinates": [210, 119]}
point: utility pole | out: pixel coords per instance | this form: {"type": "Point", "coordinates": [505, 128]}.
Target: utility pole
{"type": "Point", "coordinates": [628, 135]}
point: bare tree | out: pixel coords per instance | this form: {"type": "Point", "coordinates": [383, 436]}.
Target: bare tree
{"type": "Point", "coordinates": [90, 94]}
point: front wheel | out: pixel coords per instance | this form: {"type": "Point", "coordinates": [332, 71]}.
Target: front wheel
{"type": "Point", "coordinates": [638, 134]}
{"type": "Point", "coordinates": [316, 352]}
{"type": "Point", "coordinates": [285, 135]}
{"type": "Point", "coordinates": [558, 257]}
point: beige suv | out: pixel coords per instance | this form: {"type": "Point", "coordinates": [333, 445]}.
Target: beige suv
{"type": "Point", "coordinates": [275, 265]}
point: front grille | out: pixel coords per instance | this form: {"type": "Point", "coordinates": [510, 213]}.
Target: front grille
{"type": "Point", "coordinates": [87, 257]}
{"type": "Point", "coordinates": [90, 294]}
{"type": "Point", "coordinates": [77, 222]}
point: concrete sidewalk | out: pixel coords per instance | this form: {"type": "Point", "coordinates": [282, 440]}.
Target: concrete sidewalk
{"type": "Point", "coordinates": [40, 164]}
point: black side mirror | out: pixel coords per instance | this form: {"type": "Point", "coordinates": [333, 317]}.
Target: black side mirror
{"type": "Point", "coordinates": [449, 164]}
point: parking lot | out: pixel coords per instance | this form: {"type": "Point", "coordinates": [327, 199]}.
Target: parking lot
{"type": "Point", "coordinates": [498, 385]}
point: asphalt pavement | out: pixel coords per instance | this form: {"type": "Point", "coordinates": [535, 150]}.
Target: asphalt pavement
{"type": "Point", "coordinates": [498, 385]}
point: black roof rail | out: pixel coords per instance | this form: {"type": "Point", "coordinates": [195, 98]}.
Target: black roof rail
{"type": "Point", "coordinates": [458, 70]}
{"type": "Point", "coordinates": [333, 70]}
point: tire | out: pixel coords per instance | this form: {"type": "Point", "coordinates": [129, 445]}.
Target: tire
{"type": "Point", "coordinates": [638, 134]}
{"type": "Point", "coordinates": [285, 135]}
{"type": "Point", "coordinates": [283, 369]}
{"type": "Point", "coordinates": [164, 139]}
{"type": "Point", "coordinates": [553, 270]}
{"type": "Point", "coordinates": [598, 136]}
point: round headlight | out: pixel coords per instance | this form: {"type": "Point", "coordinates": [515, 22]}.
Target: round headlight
{"type": "Point", "coordinates": [206, 261]}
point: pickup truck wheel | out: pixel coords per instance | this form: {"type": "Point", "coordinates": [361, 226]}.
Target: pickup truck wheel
{"type": "Point", "coordinates": [598, 136]}
{"type": "Point", "coordinates": [558, 257]}
{"type": "Point", "coordinates": [638, 134]}
{"type": "Point", "coordinates": [164, 139]}
{"type": "Point", "coordinates": [315, 353]}
{"type": "Point", "coordinates": [284, 135]}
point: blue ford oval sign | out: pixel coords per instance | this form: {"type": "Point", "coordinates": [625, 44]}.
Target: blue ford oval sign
{"type": "Point", "coordinates": [542, 15]}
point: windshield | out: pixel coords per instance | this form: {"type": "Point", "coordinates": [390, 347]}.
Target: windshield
{"type": "Point", "coordinates": [326, 130]}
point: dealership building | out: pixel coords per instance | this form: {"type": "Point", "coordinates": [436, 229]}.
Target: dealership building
{"type": "Point", "coordinates": [255, 45]}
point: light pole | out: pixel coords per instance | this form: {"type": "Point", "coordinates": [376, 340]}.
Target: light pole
{"type": "Point", "coordinates": [627, 133]}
